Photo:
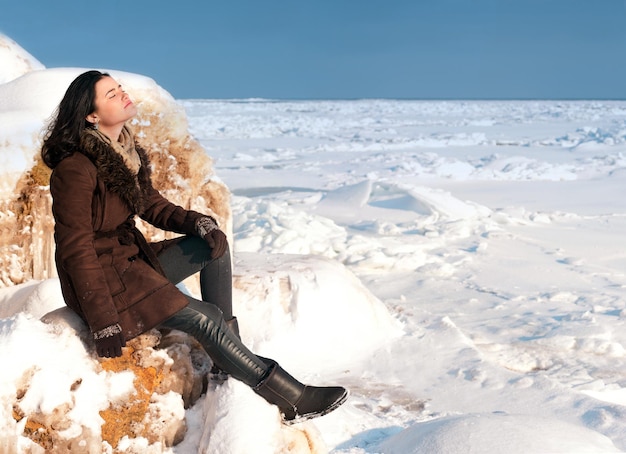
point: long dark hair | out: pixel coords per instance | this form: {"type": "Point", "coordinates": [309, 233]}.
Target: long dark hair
{"type": "Point", "coordinates": [63, 135]}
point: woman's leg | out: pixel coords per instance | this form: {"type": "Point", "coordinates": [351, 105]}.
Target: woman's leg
{"type": "Point", "coordinates": [213, 328]}
{"type": "Point", "coordinates": [191, 255]}
{"type": "Point", "coordinates": [206, 323]}
{"type": "Point", "coordinates": [295, 400]}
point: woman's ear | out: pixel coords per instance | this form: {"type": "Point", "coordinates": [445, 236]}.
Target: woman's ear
{"type": "Point", "coordinates": [93, 119]}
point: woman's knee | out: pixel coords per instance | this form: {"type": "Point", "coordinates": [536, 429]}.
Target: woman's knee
{"type": "Point", "coordinates": [198, 247]}
{"type": "Point", "coordinates": [210, 311]}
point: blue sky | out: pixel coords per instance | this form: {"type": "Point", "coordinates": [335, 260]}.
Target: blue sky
{"type": "Point", "coordinates": [296, 49]}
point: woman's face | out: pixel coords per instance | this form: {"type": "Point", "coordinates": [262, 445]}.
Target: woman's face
{"type": "Point", "coordinates": [113, 105]}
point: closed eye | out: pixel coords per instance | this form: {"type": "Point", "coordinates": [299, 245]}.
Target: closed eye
{"type": "Point", "coordinates": [113, 92]}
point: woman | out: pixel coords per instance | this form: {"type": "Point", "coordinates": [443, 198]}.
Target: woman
{"type": "Point", "coordinates": [120, 284]}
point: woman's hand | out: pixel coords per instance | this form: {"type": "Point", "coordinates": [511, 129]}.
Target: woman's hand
{"type": "Point", "coordinates": [207, 228]}
{"type": "Point", "coordinates": [109, 341]}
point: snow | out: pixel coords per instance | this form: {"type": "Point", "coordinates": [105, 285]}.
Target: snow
{"type": "Point", "coordinates": [458, 265]}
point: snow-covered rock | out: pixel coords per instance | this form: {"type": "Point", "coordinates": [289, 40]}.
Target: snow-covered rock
{"type": "Point", "coordinates": [18, 61]}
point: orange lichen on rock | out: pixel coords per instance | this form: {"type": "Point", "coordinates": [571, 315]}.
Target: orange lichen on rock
{"type": "Point", "coordinates": [122, 420]}
{"type": "Point", "coordinates": [36, 431]}
{"type": "Point", "coordinates": [168, 374]}
{"type": "Point", "coordinates": [155, 375]}
{"type": "Point", "coordinates": [44, 430]}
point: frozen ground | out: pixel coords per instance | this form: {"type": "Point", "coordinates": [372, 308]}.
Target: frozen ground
{"type": "Point", "coordinates": [492, 230]}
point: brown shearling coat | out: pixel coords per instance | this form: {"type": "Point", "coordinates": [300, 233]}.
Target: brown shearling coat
{"type": "Point", "coordinates": [108, 272]}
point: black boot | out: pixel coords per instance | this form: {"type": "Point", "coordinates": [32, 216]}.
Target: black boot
{"type": "Point", "coordinates": [217, 375]}
{"type": "Point", "coordinates": [296, 401]}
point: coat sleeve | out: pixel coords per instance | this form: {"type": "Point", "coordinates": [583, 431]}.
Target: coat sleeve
{"type": "Point", "coordinates": [72, 187]}
{"type": "Point", "coordinates": [166, 215]}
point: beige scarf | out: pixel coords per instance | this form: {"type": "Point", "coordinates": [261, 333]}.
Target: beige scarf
{"type": "Point", "coordinates": [124, 146]}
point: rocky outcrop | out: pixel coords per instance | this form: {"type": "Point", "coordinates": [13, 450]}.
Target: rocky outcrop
{"type": "Point", "coordinates": [169, 373]}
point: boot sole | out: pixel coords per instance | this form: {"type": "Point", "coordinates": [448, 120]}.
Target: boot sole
{"type": "Point", "coordinates": [307, 416]}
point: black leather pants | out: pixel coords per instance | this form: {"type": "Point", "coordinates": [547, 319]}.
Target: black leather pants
{"type": "Point", "coordinates": [191, 255]}
{"type": "Point", "coordinates": [204, 320]}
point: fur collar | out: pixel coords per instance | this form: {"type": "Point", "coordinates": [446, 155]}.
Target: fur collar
{"type": "Point", "coordinates": [110, 167]}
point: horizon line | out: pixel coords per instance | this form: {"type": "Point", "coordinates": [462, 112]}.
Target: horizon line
{"type": "Point", "coordinates": [254, 98]}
